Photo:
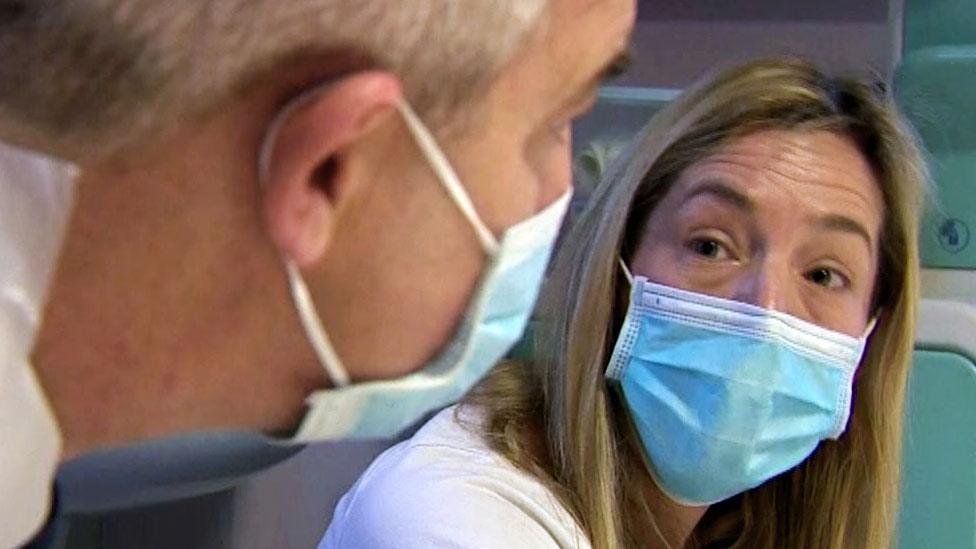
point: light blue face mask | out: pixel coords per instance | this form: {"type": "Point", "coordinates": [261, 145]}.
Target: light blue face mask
{"type": "Point", "coordinates": [726, 395]}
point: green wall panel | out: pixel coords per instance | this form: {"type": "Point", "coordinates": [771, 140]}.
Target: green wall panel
{"type": "Point", "coordinates": [939, 482]}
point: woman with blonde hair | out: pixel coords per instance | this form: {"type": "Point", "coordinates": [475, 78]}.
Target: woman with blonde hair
{"type": "Point", "coordinates": [722, 350]}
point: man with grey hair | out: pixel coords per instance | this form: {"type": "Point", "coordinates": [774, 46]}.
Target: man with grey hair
{"type": "Point", "coordinates": [262, 192]}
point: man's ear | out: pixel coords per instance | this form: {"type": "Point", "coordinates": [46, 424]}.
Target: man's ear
{"type": "Point", "coordinates": [304, 154]}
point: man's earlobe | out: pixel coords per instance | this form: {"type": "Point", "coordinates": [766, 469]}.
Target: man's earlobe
{"type": "Point", "coordinates": [302, 165]}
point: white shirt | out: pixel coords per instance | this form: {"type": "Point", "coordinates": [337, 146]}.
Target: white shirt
{"type": "Point", "coordinates": [35, 199]}
{"type": "Point", "coordinates": [445, 488]}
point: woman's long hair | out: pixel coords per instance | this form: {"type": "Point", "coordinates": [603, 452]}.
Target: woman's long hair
{"type": "Point", "coordinates": [845, 495]}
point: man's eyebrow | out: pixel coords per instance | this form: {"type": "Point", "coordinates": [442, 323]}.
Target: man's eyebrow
{"type": "Point", "coordinates": [723, 192]}
{"type": "Point", "coordinates": [613, 68]}
{"type": "Point", "coordinates": [837, 222]}
{"type": "Point", "coordinates": [618, 65]}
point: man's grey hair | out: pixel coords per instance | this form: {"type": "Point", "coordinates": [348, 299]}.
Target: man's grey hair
{"type": "Point", "coordinates": [112, 72]}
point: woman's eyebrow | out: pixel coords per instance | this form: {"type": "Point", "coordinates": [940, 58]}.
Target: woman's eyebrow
{"type": "Point", "coordinates": [842, 223]}
{"type": "Point", "coordinates": [741, 201]}
{"type": "Point", "coordinates": [723, 192]}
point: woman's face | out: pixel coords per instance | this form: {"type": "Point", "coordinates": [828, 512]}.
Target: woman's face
{"type": "Point", "coordinates": [783, 219]}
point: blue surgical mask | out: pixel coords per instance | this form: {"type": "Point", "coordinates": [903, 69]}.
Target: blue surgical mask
{"type": "Point", "coordinates": [492, 323]}
{"type": "Point", "coordinates": [725, 395]}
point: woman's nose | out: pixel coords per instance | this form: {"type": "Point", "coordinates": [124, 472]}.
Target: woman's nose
{"type": "Point", "coordinates": [768, 286]}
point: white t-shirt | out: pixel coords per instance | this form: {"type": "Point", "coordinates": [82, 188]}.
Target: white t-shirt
{"type": "Point", "coordinates": [445, 488]}
{"type": "Point", "coordinates": [35, 200]}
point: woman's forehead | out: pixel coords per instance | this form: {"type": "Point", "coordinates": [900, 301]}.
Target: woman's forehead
{"type": "Point", "coordinates": [814, 171]}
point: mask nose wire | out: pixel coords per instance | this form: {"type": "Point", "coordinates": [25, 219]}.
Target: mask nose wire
{"type": "Point", "coordinates": [448, 178]}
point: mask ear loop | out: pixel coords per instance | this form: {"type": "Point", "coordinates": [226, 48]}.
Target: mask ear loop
{"type": "Point", "coordinates": [872, 324]}
{"type": "Point", "coordinates": [866, 335]}
{"type": "Point", "coordinates": [311, 323]}
{"type": "Point", "coordinates": [448, 177]}
{"type": "Point", "coordinates": [317, 336]}
{"type": "Point", "coordinates": [626, 271]}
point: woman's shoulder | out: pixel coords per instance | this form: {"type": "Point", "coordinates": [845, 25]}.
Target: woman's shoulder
{"type": "Point", "coordinates": [445, 487]}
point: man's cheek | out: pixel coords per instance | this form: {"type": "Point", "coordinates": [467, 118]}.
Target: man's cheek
{"type": "Point", "coordinates": [551, 162]}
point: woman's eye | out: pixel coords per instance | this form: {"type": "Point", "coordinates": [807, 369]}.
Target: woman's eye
{"type": "Point", "coordinates": [826, 277]}
{"type": "Point", "coordinates": [710, 248]}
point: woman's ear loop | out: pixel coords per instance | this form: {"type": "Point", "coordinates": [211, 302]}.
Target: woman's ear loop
{"type": "Point", "coordinates": [872, 324]}
{"type": "Point", "coordinates": [626, 271]}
